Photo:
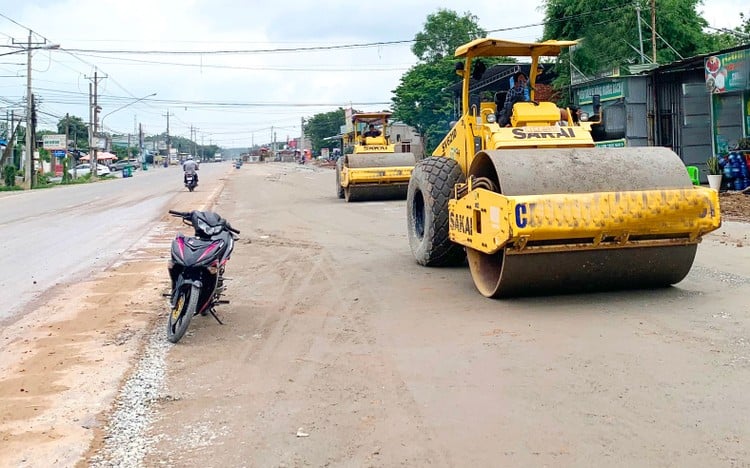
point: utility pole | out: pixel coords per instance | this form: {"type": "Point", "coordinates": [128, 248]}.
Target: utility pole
{"type": "Point", "coordinates": [640, 34]}
{"type": "Point", "coordinates": [653, 30]}
{"type": "Point", "coordinates": [93, 142]}
{"type": "Point", "coordinates": [29, 160]}
{"type": "Point", "coordinates": [91, 118]}
{"type": "Point", "coordinates": [12, 138]}
{"type": "Point", "coordinates": [67, 157]}
{"type": "Point", "coordinates": [34, 174]}
{"type": "Point", "coordinates": [193, 143]}
{"type": "Point", "coordinates": [141, 158]}
{"type": "Point", "coordinates": [169, 142]}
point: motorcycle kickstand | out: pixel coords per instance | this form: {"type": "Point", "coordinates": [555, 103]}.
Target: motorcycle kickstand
{"type": "Point", "coordinates": [212, 311]}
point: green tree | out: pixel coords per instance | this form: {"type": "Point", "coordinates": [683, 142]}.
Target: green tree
{"type": "Point", "coordinates": [609, 33]}
{"type": "Point", "coordinates": [77, 131]}
{"type": "Point", "coordinates": [421, 99]}
{"type": "Point", "coordinates": [122, 152]}
{"type": "Point", "coordinates": [324, 125]}
{"type": "Point", "coordinates": [444, 31]}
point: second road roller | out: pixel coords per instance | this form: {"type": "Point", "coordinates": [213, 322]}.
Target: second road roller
{"type": "Point", "coordinates": [372, 169]}
{"type": "Point", "coordinates": [520, 190]}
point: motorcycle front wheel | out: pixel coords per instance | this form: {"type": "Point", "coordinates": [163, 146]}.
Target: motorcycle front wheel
{"type": "Point", "coordinates": [181, 314]}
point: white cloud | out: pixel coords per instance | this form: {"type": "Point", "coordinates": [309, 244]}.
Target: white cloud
{"type": "Point", "coordinates": [359, 75]}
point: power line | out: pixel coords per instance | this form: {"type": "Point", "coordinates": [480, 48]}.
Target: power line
{"type": "Point", "coordinates": [243, 51]}
{"type": "Point", "coordinates": [734, 32]}
{"type": "Point", "coordinates": [316, 48]}
{"type": "Point", "coordinates": [237, 67]}
{"type": "Point", "coordinates": [225, 103]}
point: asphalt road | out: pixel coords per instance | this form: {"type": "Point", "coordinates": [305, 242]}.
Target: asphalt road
{"type": "Point", "coordinates": [55, 237]}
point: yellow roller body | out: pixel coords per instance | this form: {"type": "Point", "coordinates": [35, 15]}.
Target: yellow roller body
{"type": "Point", "coordinates": [582, 221]}
{"type": "Point", "coordinates": [568, 219]}
{"type": "Point", "coordinates": [372, 175]}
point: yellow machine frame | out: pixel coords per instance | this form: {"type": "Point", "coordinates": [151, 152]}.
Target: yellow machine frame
{"type": "Point", "coordinates": [487, 221]}
{"type": "Point", "coordinates": [372, 145]}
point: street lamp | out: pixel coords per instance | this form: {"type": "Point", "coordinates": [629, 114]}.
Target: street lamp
{"type": "Point", "coordinates": [29, 161]}
{"type": "Point", "coordinates": [94, 150]}
{"type": "Point", "coordinates": [126, 105]}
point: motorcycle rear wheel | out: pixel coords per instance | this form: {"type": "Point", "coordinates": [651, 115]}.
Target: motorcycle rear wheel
{"type": "Point", "coordinates": [180, 316]}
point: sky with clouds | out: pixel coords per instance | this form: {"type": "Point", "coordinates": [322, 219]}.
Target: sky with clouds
{"type": "Point", "coordinates": [232, 100]}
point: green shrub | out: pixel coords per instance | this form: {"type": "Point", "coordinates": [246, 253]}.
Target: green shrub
{"type": "Point", "coordinates": [43, 179]}
{"type": "Point", "coordinates": [9, 175]}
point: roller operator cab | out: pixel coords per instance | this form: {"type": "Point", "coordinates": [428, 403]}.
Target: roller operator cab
{"type": "Point", "coordinates": [537, 209]}
{"type": "Point", "coordinates": [372, 169]}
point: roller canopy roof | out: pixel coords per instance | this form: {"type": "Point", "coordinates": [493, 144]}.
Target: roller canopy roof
{"type": "Point", "coordinates": [488, 47]}
{"type": "Point", "coordinates": [370, 115]}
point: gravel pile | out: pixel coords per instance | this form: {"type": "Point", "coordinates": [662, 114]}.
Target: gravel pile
{"type": "Point", "coordinates": [125, 442]}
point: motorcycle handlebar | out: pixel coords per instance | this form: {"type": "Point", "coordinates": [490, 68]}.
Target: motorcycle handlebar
{"type": "Point", "coordinates": [179, 213]}
{"type": "Point", "coordinates": [187, 214]}
{"type": "Point", "coordinates": [230, 228]}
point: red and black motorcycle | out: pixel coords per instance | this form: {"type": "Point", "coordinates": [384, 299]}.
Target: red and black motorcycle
{"type": "Point", "coordinates": [197, 269]}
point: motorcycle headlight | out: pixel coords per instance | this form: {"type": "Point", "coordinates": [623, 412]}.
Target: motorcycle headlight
{"type": "Point", "coordinates": [210, 230]}
{"type": "Point", "coordinates": [584, 116]}
{"type": "Point", "coordinates": [491, 118]}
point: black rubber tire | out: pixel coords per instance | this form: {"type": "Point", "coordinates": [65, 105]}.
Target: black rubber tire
{"type": "Point", "coordinates": [176, 330]}
{"type": "Point", "coordinates": [339, 188]}
{"type": "Point", "coordinates": [430, 188]}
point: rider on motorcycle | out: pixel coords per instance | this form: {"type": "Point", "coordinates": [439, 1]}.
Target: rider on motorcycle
{"type": "Point", "coordinates": [190, 167]}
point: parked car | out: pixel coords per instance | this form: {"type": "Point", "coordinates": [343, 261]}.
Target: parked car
{"type": "Point", "coordinates": [120, 165]}
{"type": "Point", "coordinates": [84, 169]}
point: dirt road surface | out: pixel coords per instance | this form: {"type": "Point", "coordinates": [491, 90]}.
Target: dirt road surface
{"type": "Point", "coordinates": [97, 254]}
{"type": "Point", "coordinates": [338, 350]}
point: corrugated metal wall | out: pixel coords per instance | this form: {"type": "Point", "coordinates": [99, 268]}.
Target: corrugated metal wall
{"type": "Point", "coordinates": [682, 120]}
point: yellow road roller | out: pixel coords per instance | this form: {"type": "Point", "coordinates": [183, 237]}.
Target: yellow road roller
{"type": "Point", "coordinates": [373, 170]}
{"type": "Point", "coordinates": [521, 191]}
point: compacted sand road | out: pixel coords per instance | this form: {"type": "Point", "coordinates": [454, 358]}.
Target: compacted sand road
{"type": "Point", "coordinates": [339, 350]}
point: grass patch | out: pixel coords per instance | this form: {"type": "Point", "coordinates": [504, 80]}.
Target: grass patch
{"type": "Point", "coordinates": [13, 188]}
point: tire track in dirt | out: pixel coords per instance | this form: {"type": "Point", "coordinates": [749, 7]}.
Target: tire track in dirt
{"type": "Point", "coordinates": [305, 356]}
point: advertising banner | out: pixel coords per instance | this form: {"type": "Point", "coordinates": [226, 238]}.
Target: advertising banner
{"type": "Point", "coordinates": [725, 73]}
{"type": "Point", "coordinates": [606, 91]}
{"type": "Point", "coordinates": [611, 143]}
{"type": "Point", "coordinates": [54, 142]}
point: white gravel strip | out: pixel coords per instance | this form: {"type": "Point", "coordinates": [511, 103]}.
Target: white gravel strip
{"type": "Point", "coordinates": [125, 442]}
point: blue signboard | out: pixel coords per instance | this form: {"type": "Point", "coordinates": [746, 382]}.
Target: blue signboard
{"type": "Point", "coordinates": [58, 153]}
